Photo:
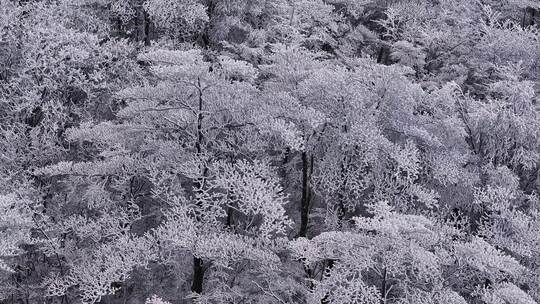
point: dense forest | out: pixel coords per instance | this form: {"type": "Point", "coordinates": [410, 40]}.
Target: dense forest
{"type": "Point", "coordinates": [269, 151]}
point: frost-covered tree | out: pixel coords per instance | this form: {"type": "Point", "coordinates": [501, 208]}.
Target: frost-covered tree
{"type": "Point", "coordinates": [388, 258]}
{"type": "Point", "coordinates": [269, 151]}
{"type": "Point", "coordinates": [190, 141]}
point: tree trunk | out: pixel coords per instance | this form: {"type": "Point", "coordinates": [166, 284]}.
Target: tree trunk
{"type": "Point", "coordinates": [198, 184]}
{"type": "Point", "coordinates": [329, 265]}
{"type": "Point", "coordinates": [198, 275]}
{"type": "Point", "coordinates": [147, 28]}
{"type": "Point", "coordinates": [383, 288]}
{"type": "Point", "coordinates": [307, 169]}
{"type": "Point", "coordinates": [204, 40]}
{"type": "Point", "coordinates": [143, 25]}
{"type": "Point", "coordinates": [230, 214]}
{"type": "Point", "coordinates": [342, 188]}
{"type": "Point", "coordinates": [198, 144]}
{"type": "Point", "coordinates": [384, 54]}
{"type": "Point", "coordinates": [529, 17]}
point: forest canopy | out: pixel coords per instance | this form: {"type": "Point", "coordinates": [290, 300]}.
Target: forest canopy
{"type": "Point", "coordinates": [269, 151]}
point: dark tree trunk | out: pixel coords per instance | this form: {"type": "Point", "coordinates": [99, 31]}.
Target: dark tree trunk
{"type": "Point", "coordinates": [529, 17]}
{"type": "Point", "coordinates": [342, 192]}
{"type": "Point", "coordinates": [200, 117]}
{"type": "Point", "coordinates": [198, 184]}
{"type": "Point", "coordinates": [383, 288]}
{"type": "Point", "coordinates": [204, 40]}
{"type": "Point", "coordinates": [147, 29]}
{"type": "Point", "coordinates": [384, 54]}
{"type": "Point", "coordinates": [198, 275]}
{"type": "Point", "coordinates": [307, 169]}
{"type": "Point", "coordinates": [329, 266]}
{"type": "Point", "coordinates": [230, 217]}
{"type": "Point", "coordinates": [286, 155]}
{"type": "Point", "coordinates": [143, 25]}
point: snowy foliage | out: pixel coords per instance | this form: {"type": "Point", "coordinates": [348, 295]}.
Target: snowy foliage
{"type": "Point", "coordinates": [270, 151]}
